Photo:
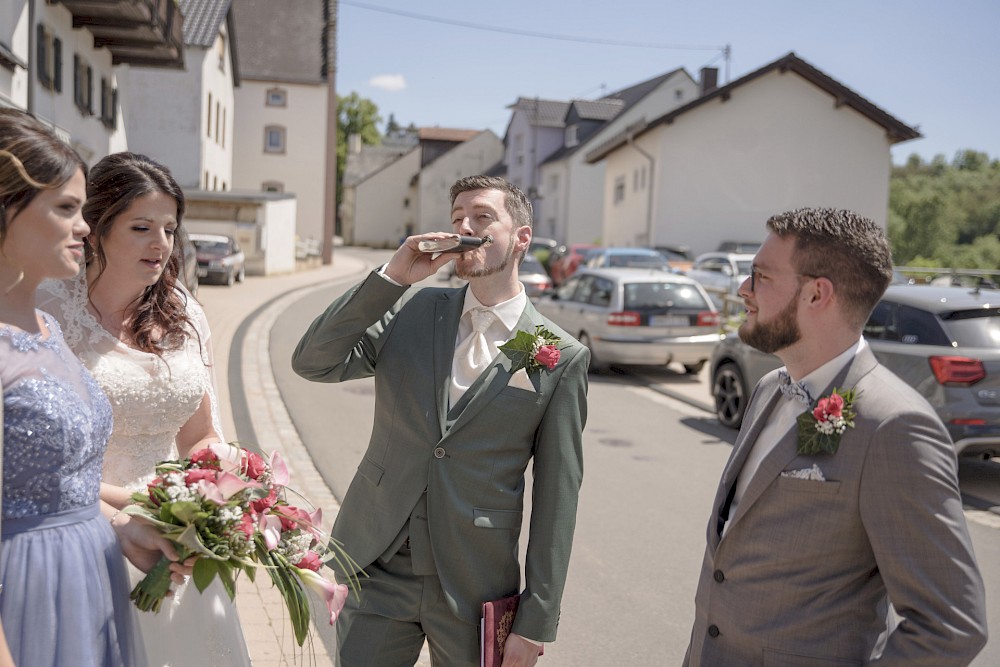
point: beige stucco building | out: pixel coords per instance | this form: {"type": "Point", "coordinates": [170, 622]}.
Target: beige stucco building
{"type": "Point", "coordinates": [784, 136]}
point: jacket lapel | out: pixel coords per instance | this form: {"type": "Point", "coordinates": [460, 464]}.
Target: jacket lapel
{"type": "Point", "coordinates": [787, 448]}
{"type": "Point", "coordinates": [447, 312]}
{"type": "Point", "coordinates": [741, 450]}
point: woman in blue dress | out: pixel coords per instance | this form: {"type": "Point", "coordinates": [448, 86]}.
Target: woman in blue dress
{"type": "Point", "coordinates": [65, 593]}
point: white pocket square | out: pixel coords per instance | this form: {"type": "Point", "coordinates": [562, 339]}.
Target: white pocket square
{"type": "Point", "coordinates": [521, 380]}
{"type": "Point", "coordinates": [814, 474]}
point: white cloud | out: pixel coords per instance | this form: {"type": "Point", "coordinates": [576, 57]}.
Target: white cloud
{"type": "Point", "coordinates": [391, 82]}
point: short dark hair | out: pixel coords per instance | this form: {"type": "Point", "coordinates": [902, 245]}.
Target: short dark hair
{"type": "Point", "coordinates": [32, 159]}
{"type": "Point", "coordinates": [847, 248]}
{"type": "Point", "coordinates": [515, 201]}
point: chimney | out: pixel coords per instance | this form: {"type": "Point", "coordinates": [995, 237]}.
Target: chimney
{"type": "Point", "coordinates": [709, 79]}
{"type": "Point", "coordinates": [353, 144]}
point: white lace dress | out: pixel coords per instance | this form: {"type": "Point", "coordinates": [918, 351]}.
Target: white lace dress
{"type": "Point", "coordinates": [151, 399]}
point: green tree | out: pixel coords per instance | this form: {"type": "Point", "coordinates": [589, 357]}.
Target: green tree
{"type": "Point", "coordinates": [946, 215]}
{"type": "Point", "coordinates": [355, 115]}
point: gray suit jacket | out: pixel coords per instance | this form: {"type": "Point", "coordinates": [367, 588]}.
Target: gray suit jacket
{"type": "Point", "coordinates": [472, 472]}
{"type": "Point", "coordinates": [806, 568]}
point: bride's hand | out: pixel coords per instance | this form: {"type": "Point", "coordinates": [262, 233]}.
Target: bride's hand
{"type": "Point", "coordinates": [143, 545]}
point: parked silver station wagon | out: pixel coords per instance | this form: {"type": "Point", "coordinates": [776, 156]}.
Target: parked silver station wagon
{"type": "Point", "coordinates": [943, 341]}
{"type": "Point", "coordinates": [636, 316]}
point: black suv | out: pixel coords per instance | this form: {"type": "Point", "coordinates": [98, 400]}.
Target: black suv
{"type": "Point", "coordinates": [943, 341]}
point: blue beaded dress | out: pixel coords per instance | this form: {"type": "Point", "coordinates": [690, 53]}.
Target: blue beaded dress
{"type": "Point", "coordinates": [65, 588]}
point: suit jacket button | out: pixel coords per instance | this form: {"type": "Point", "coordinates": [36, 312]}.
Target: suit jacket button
{"type": "Point", "coordinates": [713, 631]}
{"type": "Point", "coordinates": [719, 576]}
{"type": "Point", "coordinates": [439, 452]}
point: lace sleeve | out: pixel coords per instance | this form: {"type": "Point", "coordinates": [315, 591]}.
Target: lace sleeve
{"type": "Point", "coordinates": [197, 315]}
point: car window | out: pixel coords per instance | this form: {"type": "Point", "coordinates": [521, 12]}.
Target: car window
{"type": "Point", "coordinates": [919, 327]}
{"type": "Point", "coordinates": [584, 291]}
{"type": "Point", "coordinates": [744, 267]}
{"type": "Point", "coordinates": [881, 325]}
{"type": "Point", "coordinates": [641, 296]}
{"type": "Point", "coordinates": [600, 294]}
{"type": "Point", "coordinates": [974, 328]}
{"type": "Point", "coordinates": [568, 289]}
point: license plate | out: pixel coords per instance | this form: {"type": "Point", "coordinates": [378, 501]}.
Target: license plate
{"type": "Point", "coordinates": [669, 321]}
{"type": "Point", "coordinates": [202, 273]}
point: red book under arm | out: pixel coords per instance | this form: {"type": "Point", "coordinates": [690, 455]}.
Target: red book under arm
{"type": "Point", "coordinates": [498, 617]}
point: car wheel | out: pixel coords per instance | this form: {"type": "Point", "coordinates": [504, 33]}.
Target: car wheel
{"type": "Point", "coordinates": [730, 394]}
{"type": "Point", "coordinates": [694, 369]}
{"type": "Point", "coordinates": [242, 275]}
{"type": "Point", "coordinates": [596, 367]}
{"type": "Point", "coordinates": [230, 278]}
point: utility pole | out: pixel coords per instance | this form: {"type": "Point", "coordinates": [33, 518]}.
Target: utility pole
{"type": "Point", "coordinates": [330, 70]}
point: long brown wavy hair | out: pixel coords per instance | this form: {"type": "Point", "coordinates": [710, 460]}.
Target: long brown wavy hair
{"type": "Point", "coordinates": [160, 322]}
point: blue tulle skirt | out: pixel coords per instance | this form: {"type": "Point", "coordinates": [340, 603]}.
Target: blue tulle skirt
{"type": "Point", "coordinates": [65, 599]}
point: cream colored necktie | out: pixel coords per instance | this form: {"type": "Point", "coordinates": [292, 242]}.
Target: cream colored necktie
{"type": "Point", "coordinates": [472, 356]}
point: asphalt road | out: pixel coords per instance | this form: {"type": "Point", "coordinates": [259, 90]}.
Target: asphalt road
{"type": "Point", "coordinates": [652, 463]}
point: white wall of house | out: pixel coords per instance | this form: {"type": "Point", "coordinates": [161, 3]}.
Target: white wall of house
{"type": "Point", "coordinates": [573, 211]}
{"type": "Point", "coordinates": [217, 132]}
{"type": "Point", "coordinates": [84, 130]}
{"type": "Point", "coordinates": [466, 159]}
{"type": "Point", "coordinates": [723, 168]}
{"type": "Point", "coordinates": [14, 33]}
{"type": "Point", "coordinates": [301, 168]}
{"type": "Point", "coordinates": [526, 147]}
{"type": "Point", "coordinates": [167, 116]}
{"type": "Point", "coordinates": [164, 114]}
{"type": "Point", "coordinates": [385, 203]}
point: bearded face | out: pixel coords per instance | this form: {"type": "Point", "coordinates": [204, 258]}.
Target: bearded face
{"type": "Point", "coordinates": [777, 333]}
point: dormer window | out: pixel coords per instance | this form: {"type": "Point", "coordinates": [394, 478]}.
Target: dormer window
{"type": "Point", "coordinates": [571, 138]}
{"type": "Point", "coordinates": [277, 97]}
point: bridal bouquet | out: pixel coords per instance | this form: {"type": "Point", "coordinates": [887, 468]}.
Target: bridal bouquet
{"type": "Point", "coordinates": [226, 504]}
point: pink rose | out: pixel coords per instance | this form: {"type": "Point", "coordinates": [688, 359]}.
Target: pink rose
{"type": "Point", "coordinates": [310, 561]}
{"type": "Point", "coordinates": [262, 504]}
{"type": "Point", "coordinates": [548, 356]}
{"type": "Point", "coordinates": [835, 405]}
{"type": "Point", "coordinates": [205, 458]}
{"type": "Point", "coordinates": [819, 412]}
{"type": "Point", "coordinates": [255, 465]}
{"type": "Point", "coordinates": [195, 475]}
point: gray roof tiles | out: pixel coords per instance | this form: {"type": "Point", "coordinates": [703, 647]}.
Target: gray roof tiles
{"type": "Point", "coordinates": [202, 19]}
{"type": "Point", "coordinates": [281, 40]}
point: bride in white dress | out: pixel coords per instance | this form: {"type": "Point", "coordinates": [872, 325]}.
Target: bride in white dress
{"type": "Point", "coordinates": [147, 342]}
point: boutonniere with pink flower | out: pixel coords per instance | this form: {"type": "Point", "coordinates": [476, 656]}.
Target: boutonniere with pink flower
{"type": "Point", "coordinates": [820, 429]}
{"type": "Point", "coordinates": [532, 351]}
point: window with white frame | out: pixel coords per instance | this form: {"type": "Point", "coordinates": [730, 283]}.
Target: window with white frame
{"type": "Point", "coordinates": [571, 138]}
{"type": "Point", "coordinates": [619, 193]}
{"type": "Point", "coordinates": [274, 139]}
{"type": "Point", "coordinates": [276, 97]}
{"type": "Point", "coordinates": [49, 58]}
{"type": "Point", "coordinates": [220, 44]}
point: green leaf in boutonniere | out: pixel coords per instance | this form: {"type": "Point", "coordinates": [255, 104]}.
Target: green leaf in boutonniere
{"type": "Point", "coordinates": [820, 429]}
{"type": "Point", "coordinates": [532, 351]}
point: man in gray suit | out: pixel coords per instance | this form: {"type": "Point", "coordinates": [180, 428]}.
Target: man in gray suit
{"type": "Point", "coordinates": [434, 512]}
{"type": "Point", "coordinates": [841, 495]}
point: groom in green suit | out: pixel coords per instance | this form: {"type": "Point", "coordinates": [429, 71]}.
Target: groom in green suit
{"type": "Point", "coordinates": [435, 510]}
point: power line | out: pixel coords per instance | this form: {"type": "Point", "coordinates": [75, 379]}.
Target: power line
{"type": "Point", "coordinates": [530, 33]}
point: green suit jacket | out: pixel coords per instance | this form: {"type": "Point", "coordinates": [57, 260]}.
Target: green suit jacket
{"type": "Point", "coordinates": [472, 472]}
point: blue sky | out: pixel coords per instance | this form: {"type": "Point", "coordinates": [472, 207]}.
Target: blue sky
{"type": "Point", "coordinates": [930, 63]}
